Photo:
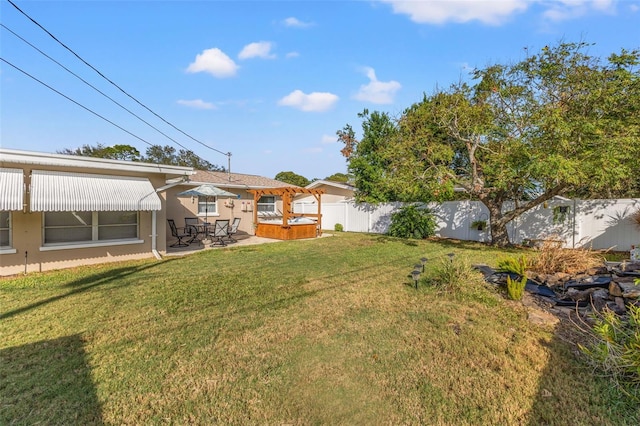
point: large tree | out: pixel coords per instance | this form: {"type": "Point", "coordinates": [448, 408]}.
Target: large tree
{"type": "Point", "coordinates": [368, 162]}
{"type": "Point", "coordinates": [559, 122]}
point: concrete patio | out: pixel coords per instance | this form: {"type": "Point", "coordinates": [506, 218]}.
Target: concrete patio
{"type": "Point", "coordinates": [244, 239]}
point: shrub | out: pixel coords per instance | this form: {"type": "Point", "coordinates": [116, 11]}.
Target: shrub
{"type": "Point", "coordinates": [552, 258]}
{"type": "Point", "coordinates": [452, 273]}
{"type": "Point", "coordinates": [616, 348]}
{"type": "Point", "coordinates": [518, 266]}
{"type": "Point", "coordinates": [338, 227]}
{"type": "Point", "coordinates": [515, 288]}
{"type": "Point", "coordinates": [515, 265]}
{"type": "Point", "coordinates": [412, 222]}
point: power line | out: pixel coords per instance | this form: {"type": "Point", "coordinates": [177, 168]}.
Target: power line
{"type": "Point", "coordinates": [94, 88]}
{"type": "Point", "coordinates": [75, 102]}
{"type": "Point", "coordinates": [228, 154]}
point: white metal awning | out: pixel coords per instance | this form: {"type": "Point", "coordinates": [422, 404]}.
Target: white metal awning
{"type": "Point", "coordinates": [62, 191]}
{"type": "Point", "coordinates": [11, 189]}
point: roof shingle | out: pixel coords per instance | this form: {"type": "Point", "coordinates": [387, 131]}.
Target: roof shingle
{"type": "Point", "coordinates": [235, 180]}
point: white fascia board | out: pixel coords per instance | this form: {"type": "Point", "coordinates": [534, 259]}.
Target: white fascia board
{"type": "Point", "coordinates": [63, 160]}
{"type": "Point", "coordinates": [329, 183]}
{"type": "Point", "coordinates": [230, 185]}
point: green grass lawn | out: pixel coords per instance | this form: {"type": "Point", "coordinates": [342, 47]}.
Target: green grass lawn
{"type": "Point", "coordinates": [327, 331]}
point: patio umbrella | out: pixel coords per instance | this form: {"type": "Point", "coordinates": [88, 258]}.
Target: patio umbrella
{"type": "Point", "coordinates": [207, 191]}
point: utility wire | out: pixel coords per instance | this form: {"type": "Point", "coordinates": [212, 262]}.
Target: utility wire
{"type": "Point", "coordinates": [95, 88]}
{"type": "Point", "coordinates": [75, 102]}
{"type": "Point", "coordinates": [228, 154]}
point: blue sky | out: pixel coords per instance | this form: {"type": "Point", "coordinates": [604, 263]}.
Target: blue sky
{"type": "Point", "coordinates": [269, 81]}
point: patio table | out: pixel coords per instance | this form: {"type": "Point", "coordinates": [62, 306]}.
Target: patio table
{"type": "Point", "coordinates": [201, 228]}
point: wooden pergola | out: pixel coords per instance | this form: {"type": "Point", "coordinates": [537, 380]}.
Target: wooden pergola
{"type": "Point", "coordinates": [287, 230]}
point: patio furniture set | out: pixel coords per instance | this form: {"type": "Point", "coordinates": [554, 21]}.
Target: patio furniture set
{"type": "Point", "coordinates": [219, 232]}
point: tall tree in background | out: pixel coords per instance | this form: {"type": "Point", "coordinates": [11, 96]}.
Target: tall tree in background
{"type": "Point", "coordinates": [560, 122]}
{"type": "Point", "coordinates": [339, 177]}
{"type": "Point", "coordinates": [292, 178]}
{"type": "Point", "coordinates": [187, 158]}
{"type": "Point", "coordinates": [161, 155]}
{"type": "Point", "coordinates": [154, 154]}
{"type": "Point", "coordinates": [116, 152]}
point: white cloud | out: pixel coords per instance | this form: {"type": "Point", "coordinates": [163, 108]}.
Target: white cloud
{"type": "Point", "coordinates": [292, 55]}
{"type": "Point", "coordinates": [197, 104]}
{"type": "Point", "coordinates": [312, 102]}
{"type": "Point", "coordinates": [327, 139]}
{"type": "Point", "coordinates": [261, 49]}
{"type": "Point", "coordinates": [491, 12]}
{"type": "Point", "coordinates": [215, 62]}
{"type": "Point", "coordinates": [563, 10]}
{"type": "Point", "coordinates": [314, 150]}
{"type": "Point", "coordinates": [296, 23]}
{"type": "Point", "coordinates": [634, 8]}
{"type": "Point", "coordinates": [377, 92]}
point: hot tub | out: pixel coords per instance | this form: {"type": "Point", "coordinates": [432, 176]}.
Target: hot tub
{"type": "Point", "coordinates": [296, 228]}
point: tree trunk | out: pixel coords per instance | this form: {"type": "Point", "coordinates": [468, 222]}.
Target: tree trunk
{"type": "Point", "coordinates": [498, 224]}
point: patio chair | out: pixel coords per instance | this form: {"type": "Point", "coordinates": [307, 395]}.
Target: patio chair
{"type": "Point", "coordinates": [195, 227]}
{"type": "Point", "coordinates": [179, 233]}
{"type": "Point", "coordinates": [233, 229]}
{"type": "Point", "coordinates": [220, 229]}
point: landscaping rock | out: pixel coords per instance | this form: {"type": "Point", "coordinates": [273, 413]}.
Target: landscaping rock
{"type": "Point", "coordinates": [598, 270]}
{"type": "Point", "coordinates": [614, 289]}
{"type": "Point", "coordinates": [559, 277]}
{"type": "Point", "coordinates": [624, 279]}
{"type": "Point", "coordinates": [540, 317]}
{"type": "Point", "coordinates": [630, 290]}
{"type": "Point", "coordinates": [621, 305]}
{"type": "Point", "coordinates": [579, 295]}
{"type": "Point", "coordinates": [599, 299]}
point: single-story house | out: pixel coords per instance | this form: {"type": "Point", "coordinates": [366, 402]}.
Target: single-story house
{"type": "Point", "coordinates": [59, 211]}
{"type": "Point", "coordinates": [213, 208]}
{"type": "Point", "coordinates": [333, 192]}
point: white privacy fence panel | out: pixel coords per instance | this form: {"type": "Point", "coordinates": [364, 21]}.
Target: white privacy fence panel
{"type": "Point", "coordinates": [597, 224]}
{"type": "Point", "coordinates": [539, 223]}
{"type": "Point", "coordinates": [454, 219]}
{"type": "Point", "coordinates": [332, 213]}
{"type": "Point", "coordinates": [607, 224]}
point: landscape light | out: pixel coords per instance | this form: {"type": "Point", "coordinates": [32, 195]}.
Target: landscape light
{"type": "Point", "coordinates": [416, 276]}
{"type": "Point", "coordinates": [423, 260]}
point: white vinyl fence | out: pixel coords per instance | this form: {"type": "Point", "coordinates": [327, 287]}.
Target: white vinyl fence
{"type": "Point", "coordinates": [598, 224]}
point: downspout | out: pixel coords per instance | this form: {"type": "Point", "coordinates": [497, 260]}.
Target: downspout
{"type": "Point", "coordinates": [154, 218]}
{"type": "Point", "coordinates": [154, 235]}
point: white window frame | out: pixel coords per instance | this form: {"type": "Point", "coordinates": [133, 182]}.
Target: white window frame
{"type": "Point", "coordinates": [267, 208]}
{"type": "Point", "coordinates": [202, 201]}
{"type": "Point", "coordinates": [95, 241]}
{"type": "Point", "coordinates": [8, 249]}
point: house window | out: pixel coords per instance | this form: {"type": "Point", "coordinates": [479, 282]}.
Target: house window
{"type": "Point", "coordinates": [117, 225]}
{"type": "Point", "coordinates": [5, 229]}
{"type": "Point", "coordinates": [207, 205]}
{"type": "Point", "coordinates": [83, 227]}
{"type": "Point", "coordinates": [267, 204]}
